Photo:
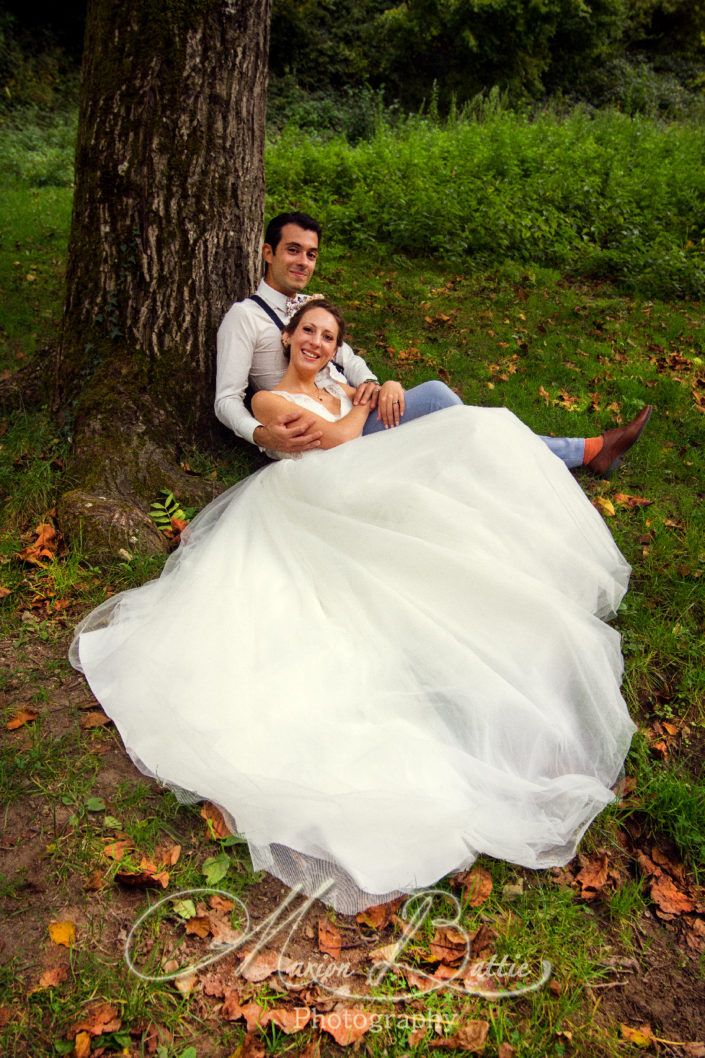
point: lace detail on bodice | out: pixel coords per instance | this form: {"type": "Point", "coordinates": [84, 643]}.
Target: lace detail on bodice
{"type": "Point", "coordinates": [311, 404]}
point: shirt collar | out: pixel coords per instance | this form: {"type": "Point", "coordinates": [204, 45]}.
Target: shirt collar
{"type": "Point", "coordinates": [273, 297]}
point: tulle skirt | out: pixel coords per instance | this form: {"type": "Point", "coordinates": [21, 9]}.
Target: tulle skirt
{"type": "Point", "coordinates": [382, 660]}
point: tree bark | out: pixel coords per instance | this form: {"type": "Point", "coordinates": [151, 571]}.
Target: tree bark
{"type": "Point", "coordinates": [165, 234]}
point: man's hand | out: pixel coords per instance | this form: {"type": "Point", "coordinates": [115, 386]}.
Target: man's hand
{"type": "Point", "coordinates": [391, 404]}
{"type": "Point", "coordinates": [293, 431]}
{"type": "Point", "coordinates": [367, 393]}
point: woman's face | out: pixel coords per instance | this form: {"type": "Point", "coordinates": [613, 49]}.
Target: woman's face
{"type": "Point", "coordinates": [315, 340]}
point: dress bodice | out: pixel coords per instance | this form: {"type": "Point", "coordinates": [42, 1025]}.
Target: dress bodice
{"type": "Point", "coordinates": [311, 404]}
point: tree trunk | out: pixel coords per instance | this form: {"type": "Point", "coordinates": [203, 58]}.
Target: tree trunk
{"type": "Point", "coordinates": [165, 234]}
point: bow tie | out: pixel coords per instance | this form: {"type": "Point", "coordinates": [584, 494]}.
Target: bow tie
{"type": "Point", "coordinates": [295, 303]}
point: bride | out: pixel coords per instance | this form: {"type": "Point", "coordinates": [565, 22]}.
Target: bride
{"type": "Point", "coordinates": [384, 657]}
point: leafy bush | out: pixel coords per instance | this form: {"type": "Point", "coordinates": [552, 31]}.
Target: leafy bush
{"type": "Point", "coordinates": [36, 149]}
{"type": "Point", "coordinates": [600, 194]}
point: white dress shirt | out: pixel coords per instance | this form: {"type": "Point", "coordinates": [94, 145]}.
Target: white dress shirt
{"type": "Point", "coordinates": [250, 347]}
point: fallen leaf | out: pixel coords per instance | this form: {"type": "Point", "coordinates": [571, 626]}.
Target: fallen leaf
{"type": "Point", "coordinates": [63, 933]}
{"type": "Point", "coordinates": [604, 506]}
{"type": "Point", "coordinates": [641, 1037]}
{"type": "Point", "coordinates": [93, 718]}
{"type": "Point", "coordinates": [448, 945]}
{"type": "Point", "coordinates": [94, 882]}
{"type": "Point", "coordinates": [116, 850]}
{"type": "Point", "coordinates": [97, 1019]}
{"type": "Point", "coordinates": [167, 854]}
{"type": "Point", "coordinates": [624, 499]}
{"type": "Point", "coordinates": [20, 717]}
{"type": "Point", "coordinates": [50, 979]}
{"type": "Point", "coordinates": [593, 875]}
{"type": "Point", "coordinates": [669, 899]}
{"type": "Point", "coordinates": [506, 1051]}
{"type": "Point", "coordinates": [289, 1020]}
{"type": "Point", "coordinates": [347, 1025]}
{"type": "Point", "coordinates": [379, 915]}
{"type": "Point", "coordinates": [329, 938]}
{"type": "Point", "coordinates": [82, 1045]}
{"type": "Point", "coordinates": [215, 824]}
{"type": "Point", "coordinates": [470, 1037]}
{"type": "Point", "coordinates": [186, 983]}
{"type": "Point", "coordinates": [44, 547]}
{"type": "Point", "coordinates": [219, 903]}
{"type": "Point", "coordinates": [4, 592]}
{"type": "Point", "coordinates": [476, 885]}
{"type": "Point", "coordinates": [199, 925]}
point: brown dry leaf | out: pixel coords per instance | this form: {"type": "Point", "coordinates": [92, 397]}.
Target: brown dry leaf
{"type": "Point", "coordinates": [186, 983]}
{"type": "Point", "coordinates": [641, 1037]}
{"type": "Point", "coordinates": [94, 882]}
{"type": "Point", "coordinates": [219, 903]}
{"type": "Point", "coordinates": [232, 1010]}
{"type": "Point", "coordinates": [21, 716]}
{"type": "Point", "coordinates": [262, 966]}
{"type": "Point", "coordinates": [4, 592]}
{"type": "Point", "coordinates": [470, 1037]}
{"type": "Point", "coordinates": [216, 827]}
{"type": "Point", "coordinates": [379, 915]}
{"type": "Point", "coordinates": [94, 718]}
{"type": "Point", "coordinates": [63, 933]}
{"type": "Point", "coordinates": [624, 499]}
{"type": "Point", "coordinates": [593, 875]}
{"type": "Point", "coordinates": [330, 941]}
{"type": "Point", "coordinates": [99, 1018]}
{"type": "Point", "coordinates": [506, 1051]}
{"type": "Point", "coordinates": [82, 1045]}
{"type": "Point", "coordinates": [167, 855]}
{"type": "Point", "coordinates": [116, 850]}
{"type": "Point", "coordinates": [6, 1014]}
{"type": "Point", "coordinates": [545, 394]}
{"type": "Point", "coordinates": [670, 900]}
{"type": "Point", "coordinates": [290, 1021]}
{"type": "Point", "coordinates": [347, 1025]}
{"type": "Point", "coordinates": [694, 1050]}
{"type": "Point", "coordinates": [482, 939]}
{"type": "Point", "coordinates": [476, 885]}
{"type": "Point", "coordinates": [147, 874]}
{"type": "Point", "coordinates": [418, 981]}
{"type": "Point", "coordinates": [251, 1047]}
{"type": "Point", "coordinates": [199, 925]}
{"type": "Point", "coordinates": [44, 547]}
{"type": "Point", "coordinates": [53, 977]}
{"type": "Point", "coordinates": [448, 945]}
{"type": "Point", "coordinates": [604, 506]}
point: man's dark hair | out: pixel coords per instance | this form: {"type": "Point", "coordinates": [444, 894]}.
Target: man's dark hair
{"type": "Point", "coordinates": [273, 234]}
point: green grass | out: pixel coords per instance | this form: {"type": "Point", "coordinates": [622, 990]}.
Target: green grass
{"type": "Point", "coordinates": [569, 357]}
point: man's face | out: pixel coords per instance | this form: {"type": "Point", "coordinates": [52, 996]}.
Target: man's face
{"type": "Point", "coordinates": [292, 264]}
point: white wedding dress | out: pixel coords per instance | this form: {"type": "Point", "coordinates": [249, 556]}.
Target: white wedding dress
{"type": "Point", "coordinates": [382, 660]}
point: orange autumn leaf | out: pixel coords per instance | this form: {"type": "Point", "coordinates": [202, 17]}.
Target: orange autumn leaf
{"type": "Point", "coordinates": [448, 945]}
{"type": "Point", "coordinates": [593, 875]}
{"type": "Point", "coordinates": [199, 925]}
{"type": "Point", "coordinates": [216, 826]}
{"type": "Point", "coordinates": [4, 592]}
{"type": "Point", "coordinates": [82, 1045]}
{"type": "Point", "coordinates": [476, 885]}
{"type": "Point", "coordinates": [641, 1037]}
{"type": "Point", "coordinates": [117, 850]}
{"type": "Point", "coordinates": [219, 903]}
{"type": "Point", "coordinates": [669, 899]}
{"type": "Point", "coordinates": [289, 1020]}
{"type": "Point", "coordinates": [50, 979]}
{"type": "Point", "coordinates": [470, 1038]}
{"type": "Point", "coordinates": [20, 717]}
{"type": "Point", "coordinates": [347, 1025]}
{"type": "Point", "coordinates": [604, 506]}
{"type": "Point", "coordinates": [329, 939]}
{"type": "Point", "coordinates": [624, 499]}
{"type": "Point", "coordinates": [44, 547]}
{"type": "Point", "coordinates": [98, 1019]}
{"type": "Point", "coordinates": [63, 933]}
{"type": "Point", "coordinates": [379, 915]}
{"type": "Point", "coordinates": [94, 718]}
{"type": "Point", "coordinates": [167, 855]}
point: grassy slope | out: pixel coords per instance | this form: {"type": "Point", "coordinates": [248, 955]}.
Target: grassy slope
{"type": "Point", "coordinates": [568, 358]}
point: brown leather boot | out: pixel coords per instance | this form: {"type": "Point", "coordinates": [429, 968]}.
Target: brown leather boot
{"type": "Point", "coordinates": [617, 443]}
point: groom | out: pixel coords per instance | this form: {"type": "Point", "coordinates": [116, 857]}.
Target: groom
{"type": "Point", "coordinates": [250, 350]}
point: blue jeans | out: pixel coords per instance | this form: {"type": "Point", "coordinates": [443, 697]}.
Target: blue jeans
{"type": "Point", "coordinates": [435, 395]}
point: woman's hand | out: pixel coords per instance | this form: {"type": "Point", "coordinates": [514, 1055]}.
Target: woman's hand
{"type": "Point", "coordinates": [391, 404]}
